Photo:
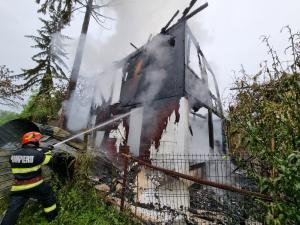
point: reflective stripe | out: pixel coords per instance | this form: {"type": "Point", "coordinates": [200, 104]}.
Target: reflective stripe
{"type": "Point", "coordinates": [49, 209]}
{"type": "Point", "coordinates": [26, 170]}
{"type": "Point", "coordinates": [47, 159]}
{"type": "Point", "coordinates": [25, 186]}
{"type": "Point", "coordinates": [33, 169]}
{"type": "Point", "coordinates": [48, 153]}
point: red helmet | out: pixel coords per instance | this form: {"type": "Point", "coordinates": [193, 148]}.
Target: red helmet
{"type": "Point", "coordinates": [31, 137]}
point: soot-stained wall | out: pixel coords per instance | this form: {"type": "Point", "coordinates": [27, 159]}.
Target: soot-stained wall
{"type": "Point", "coordinates": [157, 70]}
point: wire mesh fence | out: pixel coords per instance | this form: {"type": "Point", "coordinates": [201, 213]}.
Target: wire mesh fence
{"type": "Point", "coordinates": [164, 198]}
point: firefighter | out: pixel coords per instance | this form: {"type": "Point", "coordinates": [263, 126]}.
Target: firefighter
{"type": "Point", "coordinates": [26, 165]}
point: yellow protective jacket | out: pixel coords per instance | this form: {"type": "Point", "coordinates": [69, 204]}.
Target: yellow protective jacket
{"type": "Point", "coordinates": [26, 165]}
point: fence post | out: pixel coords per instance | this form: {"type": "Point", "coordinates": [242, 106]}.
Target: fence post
{"type": "Point", "coordinates": [85, 142]}
{"type": "Point", "coordinates": [124, 150]}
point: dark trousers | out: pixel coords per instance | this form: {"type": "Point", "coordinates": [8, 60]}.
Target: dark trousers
{"type": "Point", "coordinates": [43, 193]}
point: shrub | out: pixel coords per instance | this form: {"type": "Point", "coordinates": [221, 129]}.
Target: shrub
{"type": "Point", "coordinates": [265, 122]}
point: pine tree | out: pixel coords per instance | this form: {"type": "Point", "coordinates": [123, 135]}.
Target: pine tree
{"type": "Point", "coordinates": [67, 8]}
{"type": "Point", "coordinates": [49, 72]}
{"type": "Point", "coordinates": [48, 78]}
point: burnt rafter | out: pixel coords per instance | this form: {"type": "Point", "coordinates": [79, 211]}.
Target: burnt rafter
{"type": "Point", "coordinates": [164, 29]}
{"type": "Point", "coordinates": [187, 10]}
{"type": "Point", "coordinates": [185, 16]}
{"type": "Point", "coordinates": [177, 78]}
{"type": "Point", "coordinates": [196, 11]}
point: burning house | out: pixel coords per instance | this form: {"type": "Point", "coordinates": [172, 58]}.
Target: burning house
{"type": "Point", "coordinates": [161, 103]}
{"type": "Point", "coordinates": [172, 94]}
{"type": "Point", "coordinates": [172, 85]}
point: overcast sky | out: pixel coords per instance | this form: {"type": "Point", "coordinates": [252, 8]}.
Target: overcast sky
{"type": "Point", "coordinates": [228, 31]}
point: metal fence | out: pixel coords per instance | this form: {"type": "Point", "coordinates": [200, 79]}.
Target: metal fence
{"type": "Point", "coordinates": [163, 197]}
{"type": "Point", "coordinates": [164, 188]}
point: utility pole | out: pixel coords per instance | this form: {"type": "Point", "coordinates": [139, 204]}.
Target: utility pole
{"type": "Point", "coordinates": [78, 59]}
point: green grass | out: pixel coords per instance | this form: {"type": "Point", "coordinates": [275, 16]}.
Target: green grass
{"type": "Point", "coordinates": [78, 203]}
{"type": "Point", "coordinates": [77, 206]}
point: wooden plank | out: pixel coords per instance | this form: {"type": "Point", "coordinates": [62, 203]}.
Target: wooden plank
{"type": "Point", "coordinates": [5, 170]}
{"type": "Point", "coordinates": [6, 177]}
{"type": "Point", "coordinates": [4, 158]}
{"type": "Point", "coordinates": [4, 165]}
{"type": "Point", "coordinates": [4, 153]}
{"type": "Point", "coordinates": [6, 184]}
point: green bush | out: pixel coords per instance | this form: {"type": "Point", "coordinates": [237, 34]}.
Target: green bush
{"type": "Point", "coordinates": [264, 121]}
{"type": "Point", "coordinates": [43, 107]}
{"type": "Point", "coordinates": [40, 108]}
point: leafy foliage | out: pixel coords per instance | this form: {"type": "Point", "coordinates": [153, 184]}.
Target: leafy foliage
{"type": "Point", "coordinates": [265, 123]}
{"type": "Point", "coordinates": [40, 108]}
{"type": "Point", "coordinates": [43, 108]}
{"type": "Point", "coordinates": [7, 87]}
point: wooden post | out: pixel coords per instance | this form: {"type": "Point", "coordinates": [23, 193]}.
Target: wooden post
{"type": "Point", "coordinates": [124, 150]}
{"type": "Point", "coordinates": [137, 193]}
{"type": "Point", "coordinates": [85, 141]}
{"type": "Point", "coordinates": [210, 130]}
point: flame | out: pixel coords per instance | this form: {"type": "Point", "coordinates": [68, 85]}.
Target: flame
{"type": "Point", "coordinates": [138, 68]}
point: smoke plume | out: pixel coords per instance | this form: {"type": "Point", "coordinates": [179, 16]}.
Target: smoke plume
{"type": "Point", "coordinates": [135, 21]}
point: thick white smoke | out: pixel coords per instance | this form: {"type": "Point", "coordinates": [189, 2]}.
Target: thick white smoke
{"type": "Point", "coordinates": [135, 21]}
{"type": "Point", "coordinates": [156, 73]}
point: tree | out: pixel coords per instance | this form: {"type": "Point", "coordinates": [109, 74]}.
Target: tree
{"type": "Point", "coordinates": [7, 87]}
{"type": "Point", "coordinates": [49, 72]}
{"type": "Point", "coordinates": [48, 79]}
{"type": "Point", "coordinates": [48, 76]}
{"type": "Point", "coordinates": [92, 10]}
{"type": "Point", "coordinates": [70, 6]}
{"type": "Point", "coordinates": [67, 7]}
{"type": "Point", "coordinates": [42, 108]}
